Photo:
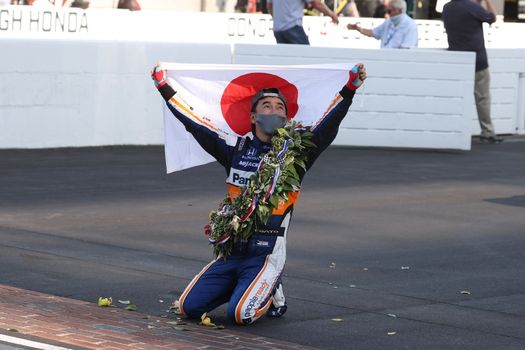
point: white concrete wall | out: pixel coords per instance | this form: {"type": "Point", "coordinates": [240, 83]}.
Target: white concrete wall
{"type": "Point", "coordinates": [413, 98]}
{"type": "Point", "coordinates": [521, 107]}
{"type": "Point", "coordinates": [58, 93]}
{"type": "Point", "coordinates": [506, 67]}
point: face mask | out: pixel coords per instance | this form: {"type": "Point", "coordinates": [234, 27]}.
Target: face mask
{"type": "Point", "coordinates": [270, 122]}
{"type": "Point", "coordinates": [396, 19]}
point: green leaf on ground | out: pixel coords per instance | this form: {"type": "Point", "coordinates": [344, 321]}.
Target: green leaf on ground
{"type": "Point", "coordinates": [131, 307]}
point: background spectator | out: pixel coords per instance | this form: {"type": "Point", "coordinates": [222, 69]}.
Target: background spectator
{"type": "Point", "coordinates": [380, 11]}
{"type": "Point", "coordinates": [241, 6]}
{"type": "Point", "coordinates": [345, 8]}
{"type": "Point", "coordinates": [463, 20]}
{"type": "Point", "coordinates": [261, 6]}
{"type": "Point", "coordinates": [288, 19]}
{"type": "Point", "coordinates": [132, 5]}
{"type": "Point", "coordinates": [399, 31]}
{"type": "Point", "coordinates": [83, 4]}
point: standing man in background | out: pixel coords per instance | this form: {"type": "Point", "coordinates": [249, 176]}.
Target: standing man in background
{"type": "Point", "coordinates": [288, 19]}
{"type": "Point", "coordinates": [399, 31]}
{"type": "Point", "coordinates": [463, 20]}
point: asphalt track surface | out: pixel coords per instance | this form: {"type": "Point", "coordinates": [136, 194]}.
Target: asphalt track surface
{"type": "Point", "coordinates": [376, 233]}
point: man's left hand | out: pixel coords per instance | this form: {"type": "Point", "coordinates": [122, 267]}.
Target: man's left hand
{"type": "Point", "coordinates": [356, 76]}
{"type": "Point", "coordinates": [159, 76]}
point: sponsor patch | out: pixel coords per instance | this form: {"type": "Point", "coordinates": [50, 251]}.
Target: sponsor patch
{"type": "Point", "coordinates": [256, 299]}
{"type": "Point", "coordinates": [239, 178]}
{"type": "Point", "coordinates": [249, 164]}
{"type": "Point", "coordinates": [262, 243]}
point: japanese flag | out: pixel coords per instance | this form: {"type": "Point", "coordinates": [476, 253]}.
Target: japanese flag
{"type": "Point", "coordinates": [219, 97]}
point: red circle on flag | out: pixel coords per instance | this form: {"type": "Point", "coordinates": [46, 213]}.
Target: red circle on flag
{"type": "Point", "coordinates": [236, 99]}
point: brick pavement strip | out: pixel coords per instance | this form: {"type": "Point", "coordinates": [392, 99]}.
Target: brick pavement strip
{"type": "Point", "coordinates": [82, 324]}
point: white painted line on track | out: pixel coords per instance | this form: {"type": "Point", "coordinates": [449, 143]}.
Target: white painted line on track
{"type": "Point", "coordinates": [30, 343]}
{"type": "Point", "coordinates": [509, 140]}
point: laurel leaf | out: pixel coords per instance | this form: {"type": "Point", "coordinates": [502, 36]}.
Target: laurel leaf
{"type": "Point", "coordinates": [131, 307]}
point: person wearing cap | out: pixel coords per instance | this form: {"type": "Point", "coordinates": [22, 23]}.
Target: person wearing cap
{"type": "Point", "coordinates": [249, 279]}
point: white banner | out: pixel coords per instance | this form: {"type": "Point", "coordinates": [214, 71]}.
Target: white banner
{"type": "Point", "coordinates": [219, 98]}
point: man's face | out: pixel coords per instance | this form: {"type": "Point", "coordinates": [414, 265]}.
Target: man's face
{"type": "Point", "coordinates": [267, 106]}
{"type": "Point", "coordinates": [392, 11]}
{"type": "Point", "coordinates": [270, 105]}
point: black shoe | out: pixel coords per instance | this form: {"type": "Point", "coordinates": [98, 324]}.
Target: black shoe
{"type": "Point", "coordinates": [491, 139]}
{"type": "Point", "coordinates": [276, 312]}
{"type": "Point", "coordinates": [278, 307]}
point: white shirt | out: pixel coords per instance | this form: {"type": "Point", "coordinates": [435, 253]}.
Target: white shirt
{"type": "Point", "coordinates": [400, 36]}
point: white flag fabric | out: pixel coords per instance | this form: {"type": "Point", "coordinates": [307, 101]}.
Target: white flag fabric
{"type": "Point", "coordinates": [219, 96]}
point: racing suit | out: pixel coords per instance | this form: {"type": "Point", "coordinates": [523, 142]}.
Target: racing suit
{"type": "Point", "coordinates": [249, 276]}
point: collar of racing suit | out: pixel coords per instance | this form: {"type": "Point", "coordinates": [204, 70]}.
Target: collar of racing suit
{"type": "Point", "coordinates": [263, 146]}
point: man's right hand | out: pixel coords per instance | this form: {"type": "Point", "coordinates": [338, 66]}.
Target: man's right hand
{"type": "Point", "coordinates": [321, 7]}
{"type": "Point", "coordinates": [334, 17]}
{"type": "Point", "coordinates": [159, 76]}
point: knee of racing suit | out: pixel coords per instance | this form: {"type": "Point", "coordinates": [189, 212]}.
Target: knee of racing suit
{"type": "Point", "coordinates": [247, 311]}
{"type": "Point", "coordinates": [240, 319]}
{"type": "Point", "coordinates": [191, 308]}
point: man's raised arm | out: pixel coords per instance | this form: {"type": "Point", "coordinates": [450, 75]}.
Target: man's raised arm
{"type": "Point", "coordinates": [326, 128]}
{"type": "Point", "coordinates": [205, 134]}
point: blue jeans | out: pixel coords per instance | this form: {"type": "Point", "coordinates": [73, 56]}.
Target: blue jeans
{"type": "Point", "coordinates": [294, 35]}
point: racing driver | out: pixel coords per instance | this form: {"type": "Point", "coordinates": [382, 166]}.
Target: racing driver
{"type": "Point", "coordinates": [249, 280]}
